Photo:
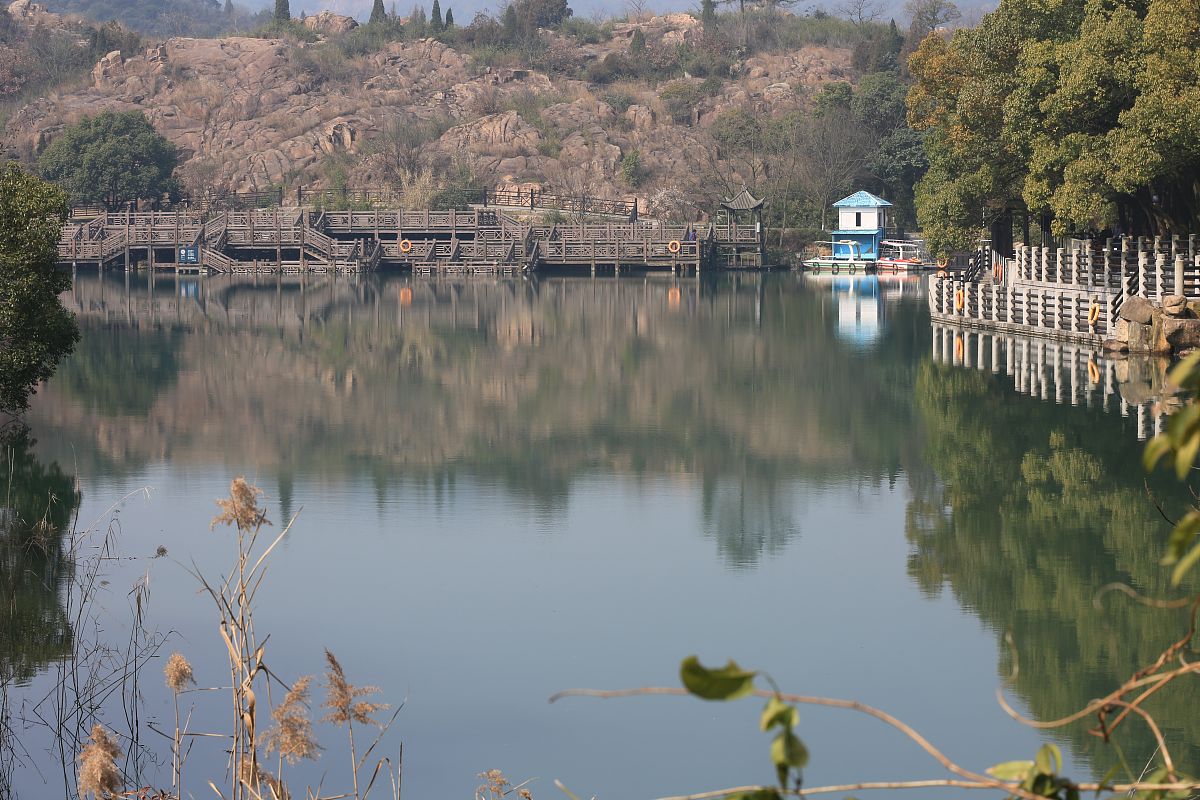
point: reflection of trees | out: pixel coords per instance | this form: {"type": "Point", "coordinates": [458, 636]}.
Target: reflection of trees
{"type": "Point", "coordinates": [530, 386]}
{"type": "Point", "coordinates": [120, 371]}
{"type": "Point", "coordinates": [1040, 506]}
{"type": "Point", "coordinates": [37, 504]}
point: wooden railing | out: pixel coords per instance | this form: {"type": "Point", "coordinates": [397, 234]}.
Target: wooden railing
{"type": "Point", "coordinates": [571, 204]}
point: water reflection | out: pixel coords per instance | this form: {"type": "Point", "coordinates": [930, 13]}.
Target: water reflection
{"type": "Point", "coordinates": [529, 385]}
{"type": "Point", "coordinates": [38, 503]}
{"type": "Point", "coordinates": [769, 419]}
{"type": "Point", "coordinates": [1039, 505]}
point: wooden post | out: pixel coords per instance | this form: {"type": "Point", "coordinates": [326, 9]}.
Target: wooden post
{"type": "Point", "coordinates": [1180, 287]}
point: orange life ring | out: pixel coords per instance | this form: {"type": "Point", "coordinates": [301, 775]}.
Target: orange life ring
{"type": "Point", "coordinates": [998, 272]}
{"type": "Point", "coordinates": [674, 246]}
{"type": "Point", "coordinates": [1093, 314]}
{"type": "Point", "coordinates": [1093, 372]}
{"type": "Point", "coordinates": [941, 273]}
{"type": "Point", "coordinates": [405, 246]}
{"type": "Point", "coordinates": [406, 296]}
{"type": "Point", "coordinates": [959, 299]}
{"type": "Point", "coordinates": [943, 262]}
{"type": "Point", "coordinates": [959, 347]}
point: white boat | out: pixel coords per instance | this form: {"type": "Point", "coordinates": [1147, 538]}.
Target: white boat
{"type": "Point", "coordinates": [899, 255]}
{"type": "Point", "coordinates": [853, 261]}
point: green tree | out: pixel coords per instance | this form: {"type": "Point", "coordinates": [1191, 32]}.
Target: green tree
{"type": "Point", "coordinates": [708, 18]}
{"type": "Point", "coordinates": [35, 330]}
{"type": "Point", "coordinates": [378, 13]}
{"type": "Point", "coordinates": [511, 24]}
{"type": "Point", "coordinates": [283, 11]}
{"type": "Point", "coordinates": [111, 159]}
{"type": "Point", "coordinates": [1089, 116]}
{"type": "Point", "coordinates": [435, 16]}
{"type": "Point", "coordinates": [449, 18]}
{"type": "Point", "coordinates": [543, 13]}
{"type": "Point", "coordinates": [637, 44]}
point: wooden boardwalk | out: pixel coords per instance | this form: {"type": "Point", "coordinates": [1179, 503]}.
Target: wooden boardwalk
{"type": "Point", "coordinates": [482, 240]}
{"type": "Point", "coordinates": [1072, 293]}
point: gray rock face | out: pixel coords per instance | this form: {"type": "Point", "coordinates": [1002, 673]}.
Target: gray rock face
{"type": "Point", "coordinates": [1137, 309]}
{"type": "Point", "coordinates": [1175, 305]}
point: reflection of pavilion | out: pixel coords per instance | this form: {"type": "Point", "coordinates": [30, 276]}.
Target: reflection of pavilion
{"type": "Point", "coordinates": [1064, 372]}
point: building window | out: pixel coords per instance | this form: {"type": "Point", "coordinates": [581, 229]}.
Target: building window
{"type": "Point", "coordinates": [858, 219]}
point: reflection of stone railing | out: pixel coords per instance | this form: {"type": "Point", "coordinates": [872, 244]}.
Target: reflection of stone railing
{"type": "Point", "coordinates": [1065, 372]}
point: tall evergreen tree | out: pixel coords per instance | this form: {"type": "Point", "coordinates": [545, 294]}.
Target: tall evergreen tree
{"type": "Point", "coordinates": [435, 16]}
{"type": "Point", "coordinates": [378, 13]}
{"type": "Point", "coordinates": [283, 11]}
{"type": "Point", "coordinates": [511, 24]}
{"type": "Point", "coordinates": [637, 44]}
{"type": "Point", "coordinates": [449, 18]}
{"type": "Point", "coordinates": [708, 18]}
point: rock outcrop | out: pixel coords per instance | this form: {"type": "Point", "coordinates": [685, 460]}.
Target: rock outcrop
{"type": "Point", "coordinates": [251, 113]}
{"type": "Point", "coordinates": [328, 23]}
{"type": "Point", "coordinates": [1169, 328]}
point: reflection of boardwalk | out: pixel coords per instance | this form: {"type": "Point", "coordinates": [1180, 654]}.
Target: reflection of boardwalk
{"type": "Point", "coordinates": [1063, 372]}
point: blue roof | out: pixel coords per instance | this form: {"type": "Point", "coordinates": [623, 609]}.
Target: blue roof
{"type": "Point", "coordinates": [861, 200]}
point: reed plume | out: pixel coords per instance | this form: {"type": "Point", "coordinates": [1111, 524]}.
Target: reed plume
{"type": "Point", "coordinates": [178, 673]}
{"type": "Point", "coordinates": [292, 736]}
{"type": "Point", "coordinates": [98, 773]}
{"type": "Point", "coordinates": [241, 508]}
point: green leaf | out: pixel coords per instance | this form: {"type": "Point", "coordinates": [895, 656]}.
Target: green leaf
{"type": "Point", "coordinates": [1049, 759]}
{"type": "Point", "coordinates": [778, 713]}
{"type": "Point", "coordinates": [1186, 457]}
{"type": "Point", "coordinates": [1181, 537]}
{"type": "Point", "coordinates": [1185, 564]}
{"type": "Point", "coordinates": [1156, 448]}
{"type": "Point", "coordinates": [727, 683]}
{"type": "Point", "coordinates": [788, 750]}
{"type": "Point", "coordinates": [1010, 770]}
{"type": "Point", "coordinates": [1184, 370]}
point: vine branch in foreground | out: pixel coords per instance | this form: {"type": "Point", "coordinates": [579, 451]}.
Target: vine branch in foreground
{"type": "Point", "coordinates": [973, 780]}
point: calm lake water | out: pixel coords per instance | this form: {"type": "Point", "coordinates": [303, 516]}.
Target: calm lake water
{"type": "Point", "coordinates": [510, 488]}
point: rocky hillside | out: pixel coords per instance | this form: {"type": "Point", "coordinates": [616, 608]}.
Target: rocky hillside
{"type": "Point", "coordinates": [252, 113]}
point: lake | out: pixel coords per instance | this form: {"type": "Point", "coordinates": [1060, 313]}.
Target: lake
{"type": "Point", "coordinates": [504, 489]}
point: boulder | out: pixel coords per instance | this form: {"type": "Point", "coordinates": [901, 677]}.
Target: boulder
{"type": "Point", "coordinates": [1175, 305]}
{"type": "Point", "coordinates": [1148, 338]}
{"type": "Point", "coordinates": [1182, 334]}
{"type": "Point", "coordinates": [108, 69]}
{"type": "Point", "coordinates": [1137, 309]}
{"type": "Point", "coordinates": [640, 117]}
{"type": "Point", "coordinates": [328, 23]}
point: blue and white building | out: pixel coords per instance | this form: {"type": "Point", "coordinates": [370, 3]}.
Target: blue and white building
{"type": "Point", "coordinates": [862, 219]}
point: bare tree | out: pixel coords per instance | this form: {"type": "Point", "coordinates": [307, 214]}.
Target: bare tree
{"type": "Point", "coordinates": [929, 15]}
{"type": "Point", "coordinates": [860, 12]}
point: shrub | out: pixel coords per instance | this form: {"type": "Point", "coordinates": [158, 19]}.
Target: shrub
{"type": "Point", "coordinates": [679, 101]}
{"type": "Point", "coordinates": [633, 172]}
{"type": "Point", "coordinates": [619, 101]}
{"type": "Point", "coordinates": [607, 70]}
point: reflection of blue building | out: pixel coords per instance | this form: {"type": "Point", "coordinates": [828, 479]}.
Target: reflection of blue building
{"type": "Point", "coordinates": [862, 219]}
{"type": "Point", "coordinates": [858, 306]}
